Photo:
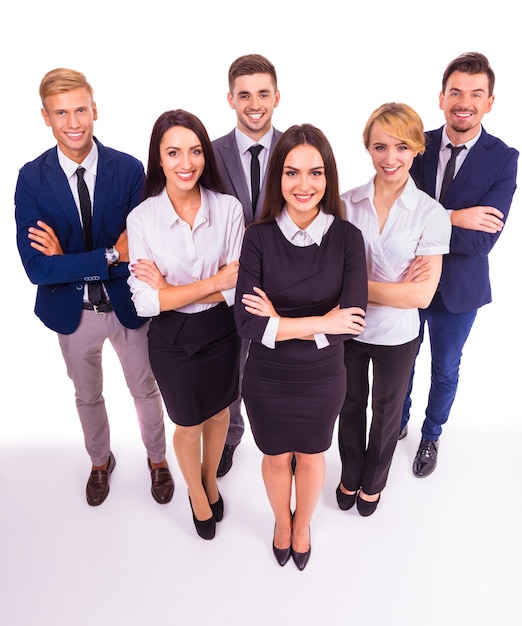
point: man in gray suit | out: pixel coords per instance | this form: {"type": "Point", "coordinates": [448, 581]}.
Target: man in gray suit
{"type": "Point", "coordinates": [242, 157]}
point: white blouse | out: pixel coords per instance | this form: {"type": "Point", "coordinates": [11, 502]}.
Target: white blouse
{"type": "Point", "coordinates": [183, 254]}
{"type": "Point", "coordinates": [417, 225]}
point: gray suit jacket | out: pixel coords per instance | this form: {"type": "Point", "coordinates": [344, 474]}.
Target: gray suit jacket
{"type": "Point", "coordinates": [231, 170]}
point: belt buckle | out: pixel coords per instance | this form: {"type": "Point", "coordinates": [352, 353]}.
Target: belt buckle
{"type": "Point", "coordinates": [95, 309]}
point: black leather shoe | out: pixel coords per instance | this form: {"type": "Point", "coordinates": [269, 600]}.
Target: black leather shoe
{"type": "Point", "coordinates": [282, 555]}
{"type": "Point", "coordinates": [301, 558]}
{"type": "Point", "coordinates": [403, 432]}
{"type": "Point", "coordinates": [162, 487]}
{"type": "Point", "coordinates": [226, 460]}
{"type": "Point", "coordinates": [345, 500]}
{"type": "Point", "coordinates": [366, 508]}
{"type": "Point", "coordinates": [426, 458]}
{"type": "Point", "coordinates": [218, 508]}
{"type": "Point", "coordinates": [206, 529]}
{"type": "Point", "coordinates": [97, 488]}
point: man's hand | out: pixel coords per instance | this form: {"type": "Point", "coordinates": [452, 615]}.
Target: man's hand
{"type": "Point", "coordinates": [122, 245]}
{"type": "Point", "coordinates": [44, 239]}
{"type": "Point", "coordinates": [486, 219]}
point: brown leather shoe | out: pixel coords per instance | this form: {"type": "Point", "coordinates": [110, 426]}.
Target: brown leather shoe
{"type": "Point", "coordinates": [162, 487]}
{"type": "Point", "coordinates": [98, 484]}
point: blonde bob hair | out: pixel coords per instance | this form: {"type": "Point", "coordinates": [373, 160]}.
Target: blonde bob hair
{"type": "Point", "coordinates": [400, 121]}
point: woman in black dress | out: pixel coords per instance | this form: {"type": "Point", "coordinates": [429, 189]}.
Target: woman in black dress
{"type": "Point", "coordinates": [301, 291]}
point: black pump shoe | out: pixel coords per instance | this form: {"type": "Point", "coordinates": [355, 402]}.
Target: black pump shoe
{"type": "Point", "coordinates": [301, 558]}
{"type": "Point", "coordinates": [366, 508]}
{"type": "Point", "coordinates": [218, 508]}
{"type": "Point", "coordinates": [282, 555]}
{"type": "Point", "coordinates": [345, 500]}
{"type": "Point", "coordinates": [206, 529]}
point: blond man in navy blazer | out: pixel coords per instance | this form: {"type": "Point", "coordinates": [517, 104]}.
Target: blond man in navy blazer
{"type": "Point", "coordinates": [253, 94]}
{"type": "Point", "coordinates": [478, 197]}
{"type": "Point", "coordinates": [58, 257]}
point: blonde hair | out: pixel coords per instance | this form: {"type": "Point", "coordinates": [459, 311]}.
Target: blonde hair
{"type": "Point", "coordinates": [400, 121]}
{"type": "Point", "coordinates": [62, 80]}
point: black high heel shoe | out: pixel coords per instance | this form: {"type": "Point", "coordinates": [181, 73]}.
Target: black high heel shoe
{"type": "Point", "coordinates": [301, 558]}
{"type": "Point", "coordinates": [366, 508]}
{"type": "Point", "coordinates": [282, 555]}
{"type": "Point", "coordinates": [206, 529]}
{"type": "Point", "coordinates": [345, 500]}
{"type": "Point", "coordinates": [218, 508]}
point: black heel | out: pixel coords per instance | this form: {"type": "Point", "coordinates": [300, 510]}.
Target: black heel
{"type": "Point", "coordinates": [282, 555]}
{"type": "Point", "coordinates": [206, 529]}
{"type": "Point", "coordinates": [218, 508]}
{"type": "Point", "coordinates": [345, 500]}
{"type": "Point", "coordinates": [301, 558]}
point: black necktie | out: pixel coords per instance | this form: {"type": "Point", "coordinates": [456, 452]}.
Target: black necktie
{"type": "Point", "coordinates": [94, 289]}
{"type": "Point", "coordinates": [255, 173]}
{"type": "Point", "coordinates": [449, 172]}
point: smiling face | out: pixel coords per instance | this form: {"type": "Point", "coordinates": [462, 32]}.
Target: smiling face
{"type": "Point", "coordinates": [465, 101]}
{"type": "Point", "coordinates": [303, 183]}
{"type": "Point", "coordinates": [71, 116]}
{"type": "Point", "coordinates": [181, 159]}
{"type": "Point", "coordinates": [254, 99]}
{"type": "Point", "coordinates": [392, 158]}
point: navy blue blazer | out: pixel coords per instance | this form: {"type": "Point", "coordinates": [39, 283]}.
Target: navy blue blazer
{"type": "Point", "coordinates": [487, 177]}
{"type": "Point", "coordinates": [232, 174]}
{"type": "Point", "coordinates": [43, 193]}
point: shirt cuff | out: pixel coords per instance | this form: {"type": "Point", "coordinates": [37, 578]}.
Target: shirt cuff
{"type": "Point", "coordinates": [321, 340]}
{"type": "Point", "coordinates": [269, 336]}
{"type": "Point", "coordinates": [229, 295]}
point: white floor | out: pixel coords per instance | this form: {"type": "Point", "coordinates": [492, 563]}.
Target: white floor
{"type": "Point", "coordinates": [443, 550]}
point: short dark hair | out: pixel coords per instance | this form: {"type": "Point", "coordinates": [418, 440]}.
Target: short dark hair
{"type": "Point", "coordinates": [300, 135]}
{"type": "Point", "coordinates": [470, 63]}
{"type": "Point", "coordinates": [155, 180]}
{"type": "Point", "coordinates": [250, 64]}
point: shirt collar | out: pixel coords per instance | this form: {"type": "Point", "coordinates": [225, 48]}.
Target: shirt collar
{"type": "Point", "coordinates": [202, 216]}
{"type": "Point", "coordinates": [244, 142]}
{"type": "Point", "coordinates": [469, 144]}
{"type": "Point", "coordinates": [316, 230]}
{"type": "Point", "coordinates": [407, 199]}
{"type": "Point", "coordinates": [90, 163]}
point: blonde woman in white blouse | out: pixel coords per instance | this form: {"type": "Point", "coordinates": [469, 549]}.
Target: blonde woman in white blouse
{"type": "Point", "coordinates": [405, 234]}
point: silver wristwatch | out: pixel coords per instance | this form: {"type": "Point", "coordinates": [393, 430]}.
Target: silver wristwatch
{"type": "Point", "coordinates": [112, 256]}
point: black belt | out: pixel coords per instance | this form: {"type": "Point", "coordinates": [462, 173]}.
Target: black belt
{"type": "Point", "coordinates": [103, 307]}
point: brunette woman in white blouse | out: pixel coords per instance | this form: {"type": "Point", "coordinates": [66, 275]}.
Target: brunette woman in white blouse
{"type": "Point", "coordinates": [184, 245]}
{"type": "Point", "coordinates": [405, 234]}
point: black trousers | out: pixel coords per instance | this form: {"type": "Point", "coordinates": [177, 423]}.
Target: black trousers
{"type": "Point", "coordinates": [366, 460]}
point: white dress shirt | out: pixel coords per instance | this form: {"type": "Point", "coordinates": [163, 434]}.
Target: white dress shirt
{"type": "Point", "coordinates": [417, 225]}
{"type": "Point", "coordinates": [445, 154]}
{"type": "Point", "coordinates": [182, 254]}
{"type": "Point", "coordinates": [312, 235]}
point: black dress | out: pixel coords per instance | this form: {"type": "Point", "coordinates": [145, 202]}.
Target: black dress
{"type": "Point", "coordinates": [293, 393]}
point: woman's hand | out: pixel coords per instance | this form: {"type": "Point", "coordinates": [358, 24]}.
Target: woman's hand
{"type": "Point", "coordinates": [259, 305]}
{"type": "Point", "coordinates": [418, 271]}
{"type": "Point", "coordinates": [226, 278]}
{"type": "Point", "coordinates": [348, 321]}
{"type": "Point", "coordinates": [148, 272]}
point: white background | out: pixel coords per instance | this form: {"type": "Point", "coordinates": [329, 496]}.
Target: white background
{"type": "Point", "coordinates": [336, 62]}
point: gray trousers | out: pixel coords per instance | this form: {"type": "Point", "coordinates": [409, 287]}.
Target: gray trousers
{"type": "Point", "coordinates": [82, 352]}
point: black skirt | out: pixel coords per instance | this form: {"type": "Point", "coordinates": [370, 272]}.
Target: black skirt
{"type": "Point", "coordinates": [195, 359]}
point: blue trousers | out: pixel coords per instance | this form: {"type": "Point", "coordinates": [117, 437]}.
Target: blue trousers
{"type": "Point", "coordinates": [448, 334]}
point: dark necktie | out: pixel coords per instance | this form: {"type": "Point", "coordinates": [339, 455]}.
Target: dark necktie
{"type": "Point", "coordinates": [449, 172]}
{"type": "Point", "coordinates": [95, 290]}
{"type": "Point", "coordinates": [255, 174]}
